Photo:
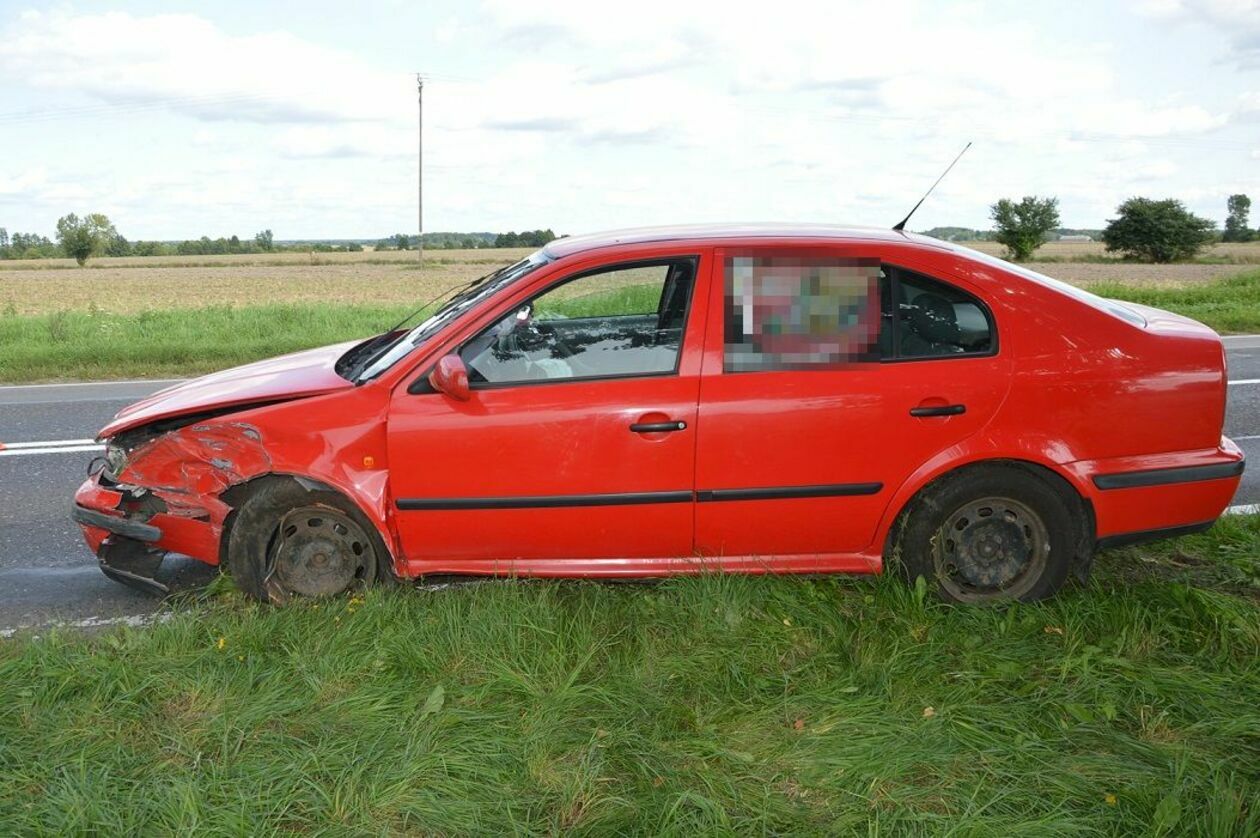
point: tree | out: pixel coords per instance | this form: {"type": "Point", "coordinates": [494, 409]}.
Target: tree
{"type": "Point", "coordinates": [117, 245]}
{"type": "Point", "coordinates": [402, 241]}
{"type": "Point", "coordinates": [1236, 229]}
{"type": "Point", "coordinates": [265, 241]}
{"type": "Point", "coordinates": [1022, 227]}
{"type": "Point", "coordinates": [82, 238]}
{"type": "Point", "coordinates": [1157, 231]}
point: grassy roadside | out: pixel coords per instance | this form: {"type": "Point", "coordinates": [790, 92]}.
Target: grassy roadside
{"type": "Point", "coordinates": [78, 345]}
{"type": "Point", "coordinates": [1231, 304]}
{"type": "Point", "coordinates": [85, 345]}
{"type": "Point", "coordinates": [693, 706]}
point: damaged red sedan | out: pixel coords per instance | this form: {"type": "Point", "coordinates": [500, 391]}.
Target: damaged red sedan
{"type": "Point", "coordinates": [762, 399]}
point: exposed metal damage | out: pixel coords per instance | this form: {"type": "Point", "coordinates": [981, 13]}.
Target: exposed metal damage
{"type": "Point", "coordinates": [166, 485]}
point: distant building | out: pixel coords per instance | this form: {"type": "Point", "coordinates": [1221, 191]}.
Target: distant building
{"type": "Point", "coordinates": [1076, 237]}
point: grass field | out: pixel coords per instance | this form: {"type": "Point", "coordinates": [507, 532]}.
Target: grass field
{"type": "Point", "coordinates": [135, 284]}
{"type": "Point", "coordinates": [183, 335]}
{"type": "Point", "coordinates": [1233, 253]}
{"type": "Point", "coordinates": [706, 705]}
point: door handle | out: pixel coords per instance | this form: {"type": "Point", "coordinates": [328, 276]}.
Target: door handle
{"type": "Point", "coordinates": [657, 427]}
{"type": "Point", "coordinates": [939, 410]}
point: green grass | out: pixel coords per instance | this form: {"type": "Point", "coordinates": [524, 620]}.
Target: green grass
{"type": "Point", "coordinates": [95, 345]}
{"type": "Point", "coordinates": [1227, 305]}
{"type": "Point", "coordinates": [717, 704]}
{"type": "Point", "coordinates": [178, 342]}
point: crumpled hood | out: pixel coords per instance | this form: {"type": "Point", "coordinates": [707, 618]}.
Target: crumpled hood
{"type": "Point", "coordinates": [307, 373]}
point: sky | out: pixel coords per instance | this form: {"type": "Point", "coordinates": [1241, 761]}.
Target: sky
{"type": "Point", "coordinates": [182, 119]}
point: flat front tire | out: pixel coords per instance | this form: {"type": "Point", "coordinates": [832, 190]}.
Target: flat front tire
{"type": "Point", "coordinates": [288, 541]}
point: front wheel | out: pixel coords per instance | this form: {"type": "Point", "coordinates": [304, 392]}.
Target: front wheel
{"type": "Point", "coordinates": [287, 541]}
{"type": "Point", "coordinates": [989, 534]}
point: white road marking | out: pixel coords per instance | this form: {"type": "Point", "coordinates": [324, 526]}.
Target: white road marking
{"type": "Point", "coordinates": [1244, 381]}
{"type": "Point", "coordinates": [133, 620]}
{"type": "Point", "coordinates": [64, 449]}
{"type": "Point", "coordinates": [92, 383]}
{"type": "Point", "coordinates": [47, 443]}
{"type": "Point", "coordinates": [1243, 509]}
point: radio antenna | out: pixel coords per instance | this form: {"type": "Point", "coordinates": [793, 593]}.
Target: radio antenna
{"type": "Point", "coordinates": [901, 225]}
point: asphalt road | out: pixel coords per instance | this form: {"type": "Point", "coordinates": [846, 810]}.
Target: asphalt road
{"type": "Point", "coordinates": [47, 573]}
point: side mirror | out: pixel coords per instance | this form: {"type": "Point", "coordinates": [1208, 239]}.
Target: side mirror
{"type": "Point", "coordinates": [450, 376]}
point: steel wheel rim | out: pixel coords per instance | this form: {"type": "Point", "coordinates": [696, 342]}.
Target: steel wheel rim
{"type": "Point", "coordinates": [991, 548]}
{"type": "Point", "coordinates": [318, 551]}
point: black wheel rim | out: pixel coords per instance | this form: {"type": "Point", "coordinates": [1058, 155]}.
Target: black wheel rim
{"type": "Point", "coordinates": [990, 549]}
{"type": "Point", "coordinates": [318, 551]}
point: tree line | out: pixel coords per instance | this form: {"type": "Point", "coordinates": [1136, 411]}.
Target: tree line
{"type": "Point", "coordinates": [95, 235]}
{"type": "Point", "coordinates": [1144, 229]}
{"type": "Point", "coordinates": [468, 241]}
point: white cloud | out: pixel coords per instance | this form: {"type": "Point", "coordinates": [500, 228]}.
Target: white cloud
{"type": "Point", "coordinates": [188, 65]}
{"type": "Point", "coordinates": [1238, 20]}
{"type": "Point", "coordinates": [660, 112]}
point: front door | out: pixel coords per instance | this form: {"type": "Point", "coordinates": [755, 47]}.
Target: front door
{"type": "Point", "coordinates": [576, 451]}
{"type": "Point", "coordinates": [832, 377]}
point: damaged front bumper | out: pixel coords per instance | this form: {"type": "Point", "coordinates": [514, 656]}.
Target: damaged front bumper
{"type": "Point", "coordinates": [131, 530]}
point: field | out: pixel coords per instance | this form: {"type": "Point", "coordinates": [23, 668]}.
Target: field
{"type": "Point", "coordinates": [1233, 253]}
{"type": "Point", "coordinates": [181, 316]}
{"type": "Point", "coordinates": [709, 705]}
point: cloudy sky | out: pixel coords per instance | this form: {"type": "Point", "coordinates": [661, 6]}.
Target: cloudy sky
{"type": "Point", "coordinates": [184, 119]}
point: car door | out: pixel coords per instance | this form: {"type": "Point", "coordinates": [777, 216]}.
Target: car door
{"type": "Point", "coordinates": [831, 378]}
{"type": "Point", "coordinates": [578, 440]}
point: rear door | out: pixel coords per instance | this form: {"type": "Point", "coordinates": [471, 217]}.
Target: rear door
{"type": "Point", "coordinates": [831, 378]}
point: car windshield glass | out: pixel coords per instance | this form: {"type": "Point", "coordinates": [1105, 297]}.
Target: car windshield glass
{"type": "Point", "coordinates": [468, 297]}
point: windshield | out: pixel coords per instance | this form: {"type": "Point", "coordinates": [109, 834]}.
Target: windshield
{"type": "Point", "coordinates": [472, 294]}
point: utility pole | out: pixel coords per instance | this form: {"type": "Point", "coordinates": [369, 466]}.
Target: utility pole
{"type": "Point", "coordinates": [420, 168]}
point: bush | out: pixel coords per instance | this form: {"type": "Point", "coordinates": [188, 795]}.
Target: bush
{"type": "Point", "coordinates": [1022, 227]}
{"type": "Point", "coordinates": [1157, 231]}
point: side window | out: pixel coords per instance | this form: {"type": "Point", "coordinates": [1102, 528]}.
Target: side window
{"type": "Point", "coordinates": [935, 319]}
{"type": "Point", "coordinates": [622, 321]}
{"type": "Point", "coordinates": [790, 312]}
{"type": "Point", "coordinates": [806, 312]}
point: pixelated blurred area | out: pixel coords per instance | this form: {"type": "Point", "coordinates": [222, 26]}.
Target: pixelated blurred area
{"type": "Point", "coordinates": [786, 313]}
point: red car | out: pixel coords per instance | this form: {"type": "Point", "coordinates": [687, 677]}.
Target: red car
{"type": "Point", "coordinates": [759, 399]}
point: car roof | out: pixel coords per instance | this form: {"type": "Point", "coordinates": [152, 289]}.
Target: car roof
{"type": "Point", "coordinates": [569, 245]}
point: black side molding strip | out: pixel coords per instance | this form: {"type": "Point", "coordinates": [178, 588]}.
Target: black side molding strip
{"type": "Point", "coordinates": [545, 501]}
{"type": "Point", "coordinates": [1164, 476]}
{"type": "Point", "coordinates": [1124, 539]}
{"type": "Point", "coordinates": [781, 492]}
{"type": "Point", "coordinates": [630, 498]}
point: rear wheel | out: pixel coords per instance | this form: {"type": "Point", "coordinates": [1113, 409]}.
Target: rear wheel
{"type": "Point", "coordinates": [287, 541]}
{"type": "Point", "coordinates": [989, 534]}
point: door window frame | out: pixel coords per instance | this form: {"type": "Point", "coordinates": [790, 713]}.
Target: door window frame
{"type": "Point", "coordinates": [984, 307]}
{"type": "Point", "coordinates": [421, 386]}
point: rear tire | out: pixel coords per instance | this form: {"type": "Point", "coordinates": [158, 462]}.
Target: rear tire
{"type": "Point", "coordinates": [287, 541]}
{"type": "Point", "coordinates": [989, 534]}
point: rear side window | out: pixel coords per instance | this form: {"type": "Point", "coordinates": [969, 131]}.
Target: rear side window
{"type": "Point", "coordinates": [786, 313]}
{"type": "Point", "coordinates": [932, 318]}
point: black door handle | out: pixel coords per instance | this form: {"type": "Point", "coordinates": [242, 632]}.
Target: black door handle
{"type": "Point", "coordinates": [657, 427]}
{"type": "Point", "coordinates": [942, 410]}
